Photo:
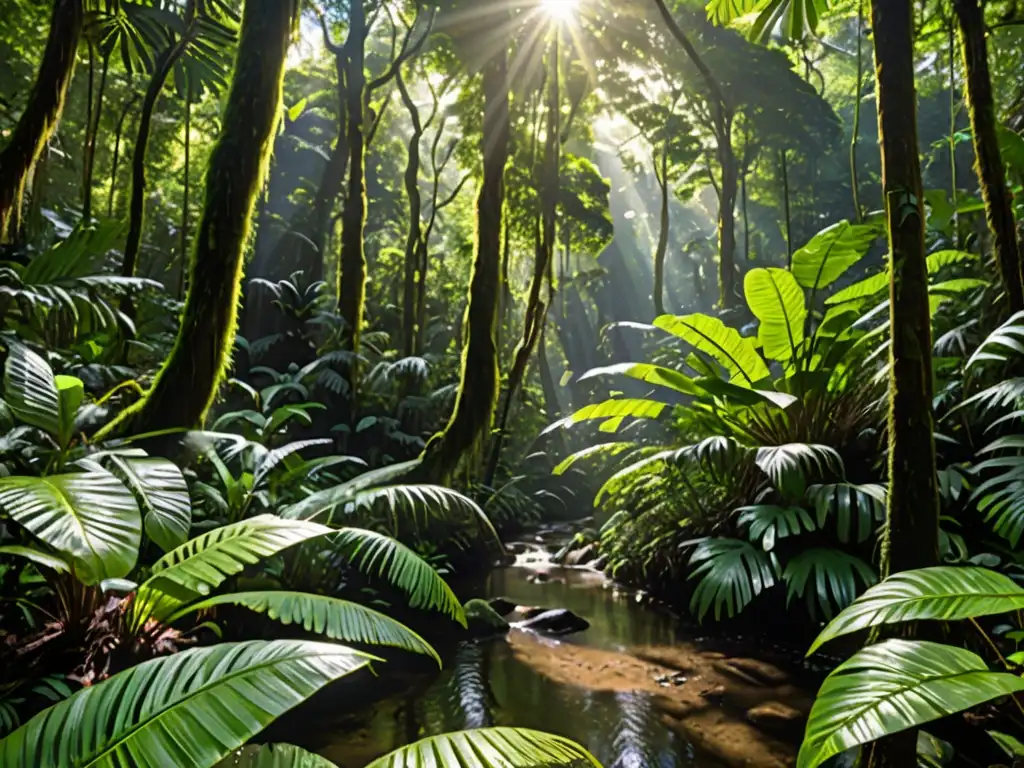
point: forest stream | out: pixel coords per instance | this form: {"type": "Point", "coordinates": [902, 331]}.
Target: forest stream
{"type": "Point", "coordinates": [633, 688]}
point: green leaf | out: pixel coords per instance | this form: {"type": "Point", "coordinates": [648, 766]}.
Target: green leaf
{"type": "Point", "coordinates": [160, 489]}
{"type": "Point", "coordinates": [337, 619]}
{"type": "Point", "coordinates": [767, 523]}
{"type": "Point", "coordinates": [192, 708]}
{"type": "Point", "coordinates": [731, 573]}
{"type": "Point", "coordinates": [89, 517]}
{"type": "Point", "coordinates": [274, 756]}
{"type": "Point", "coordinates": [489, 748]}
{"type": "Point", "coordinates": [834, 576]}
{"type": "Point", "coordinates": [195, 568]}
{"type": "Point", "coordinates": [790, 466]}
{"type": "Point", "coordinates": [711, 336]}
{"type": "Point", "coordinates": [617, 408]}
{"type": "Point", "coordinates": [876, 284]}
{"type": "Point", "coordinates": [30, 390]}
{"type": "Point", "coordinates": [295, 112]}
{"type": "Point", "coordinates": [777, 301]}
{"type": "Point", "coordinates": [70, 393]}
{"type": "Point", "coordinates": [37, 557]}
{"type": "Point", "coordinates": [1004, 341]}
{"type": "Point", "coordinates": [647, 372]}
{"type": "Point", "coordinates": [1012, 746]}
{"type": "Point", "coordinates": [942, 594]}
{"type": "Point", "coordinates": [848, 503]}
{"type": "Point", "coordinates": [611, 449]}
{"type": "Point", "coordinates": [892, 687]}
{"type": "Point", "coordinates": [831, 252]}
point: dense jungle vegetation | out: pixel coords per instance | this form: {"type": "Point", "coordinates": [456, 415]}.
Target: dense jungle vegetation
{"type": "Point", "coordinates": [304, 304]}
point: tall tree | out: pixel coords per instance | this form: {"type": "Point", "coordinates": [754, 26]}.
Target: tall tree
{"type": "Point", "coordinates": [186, 385]}
{"type": "Point", "coordinates": [981, 107]}
{"type": "Point", "coordinates": [478, 381]}
{"type": "Point", "coordinates": [42, 112]}
{"type": "Point", "coordinates": [912, 522]}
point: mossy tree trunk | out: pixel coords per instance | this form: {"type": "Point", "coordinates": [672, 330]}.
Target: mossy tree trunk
{"type": "Point", "coordinates": [414, 232]}
{"type": "Point", "coordinates": [478, 382]}
{"type": "Point", "coordinates": [661, 173]}
{"type": "Point", "coordinates": [42, 112]}
{"type": "Point", "coordinates": [722, 120]}
{"type": "Point", "coordinates": [186, 385]}
{"type": "Point", "coordinates": [989, 163]}
{"type": "Point", "coordinates": [352, 274]}
{"type": "Point", "coordinates": [536, 310]}
{"type": "Point", "coordinates": [912, 523]}
{"type": "Point", "coordinates": [92, 131]}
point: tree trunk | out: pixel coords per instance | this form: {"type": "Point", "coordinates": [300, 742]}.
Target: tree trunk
{"type": "Point", "coordinates": [991, 175]}
{"type": "Point", "coordinates": [478, 385]}
{"type": "Point", "coordinates": [92, 131]}
{"type": "Point", "coordinates": [911, 533]}
{"type": "Point", "coordinates": [662, 250]}
{"type": "Point", "coordinates": [42, 112]}
{"type": "Point", "coordinates": [414, 231]}
{"type": "Point", "coordinates": [784, 167]}
{"type": "Point", "coordinates": [118, 133]}
{"type": "Point", "coordinates": [855, 133]}
{"type": "Point", "coordinates": [186, 386]}
{"type": "Point", "coordinates": [352, 290]}
{"type": "Point", "coordinates": [186, 190]}
{"type": "Point", "coordinates": [137, 207]}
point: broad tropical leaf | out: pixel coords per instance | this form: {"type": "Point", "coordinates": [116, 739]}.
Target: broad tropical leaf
{"type": "Point", "coordinates": [790, 466]}
{"type": "Point", "coordinates": [767, 523]}
{"type": "Point", "coordinates": [828, 579]}
{"type": "Point", "coordinates": [378, 553]}
{"type": "Point", "coordinates": [195, 568]}
{"type": "Point", "coordinates": [337, 619]}
{"type": "Point", "coordinates": [599, 449]}
{"type": "Point", "coordinates": [851, 506]}
{"type": "Point", "coordinates": [711, 336]}
{"type": "Point", "coordinates": [731, 573]}
{"type": "Point", "coordinates": [613, 411]}
{"type": "Point", "coordinates": [218, 698]}
{"type": "Point", "coordinates": [30, 389]}
{"type": "Point", "coordinates": [649, 373]}
{"type": "Point", "coordinates": [89, 517]}
{"type": "Point", "coordinates": [490, 748]}
{"type": "Point", "coordinates": [777, 301]}
{"type": "Point", "coordinates": [274, 756]}
{"type": "Point", "coordinates": [162, 494]}
{"type": "Point", "coordinates": [36, 556]}
{"type": "Point", "coordinates": [831, 252]}
{"type": "Point", "coordinates": [894, 686]}
{"type": "Point", "coordinates": [876, 284]}
{"type": "Point", "coordinates": [943, 593]}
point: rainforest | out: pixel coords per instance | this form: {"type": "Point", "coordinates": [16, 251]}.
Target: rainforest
{"type": "Point", "coordinates": [511, 383]}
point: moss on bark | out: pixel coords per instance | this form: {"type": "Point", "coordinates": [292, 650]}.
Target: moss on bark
{"type": "Point", "coordinates": [42, 112]}
{"type": "Point", "coordinates": [912, 522]}
{"type": "Point", "coordinates": [186, 385]}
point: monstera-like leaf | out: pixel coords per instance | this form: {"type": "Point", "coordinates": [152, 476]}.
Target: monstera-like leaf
{"type": "Point", "coordinates": [192, 708]}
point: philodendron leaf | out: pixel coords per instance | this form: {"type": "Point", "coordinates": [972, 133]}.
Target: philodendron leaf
{"type": "Point", "coordinates": [30, 390]}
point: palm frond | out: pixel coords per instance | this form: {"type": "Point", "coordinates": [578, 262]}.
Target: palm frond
{"type": "Point", "coordinates": [490, 748]}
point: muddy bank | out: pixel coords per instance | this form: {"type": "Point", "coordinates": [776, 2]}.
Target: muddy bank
{"type": "Point", "coordinates": [739, 711]}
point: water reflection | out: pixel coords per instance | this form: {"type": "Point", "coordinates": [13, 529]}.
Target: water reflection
{"type": "Point", "coordinates": [487, 685]}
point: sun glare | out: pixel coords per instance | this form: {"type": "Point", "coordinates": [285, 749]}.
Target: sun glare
{"type": "Point", "coordinates": [561, 10]}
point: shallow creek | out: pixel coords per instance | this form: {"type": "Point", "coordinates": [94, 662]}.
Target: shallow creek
{"type": "Point", "coordinates": [631, 688]}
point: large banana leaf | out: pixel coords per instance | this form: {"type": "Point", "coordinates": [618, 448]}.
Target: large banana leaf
{"type": "Point", "coordinates": [711, 336]}
{"type": "Point", "coordinates": [378, 553]}
{"type": "Point", "coordinates": [490, 748]}
{"type": "Point", "coordinates": [274, 756]}
{"type": "Point", "coordinates": [649, 373]}
{"type": "Point", "coordinates": [831, 252]}
{"type": "Point", "coordinates": [160, 489]}
{"type": "Point", "coordinates": [777, 301]}
{"type": "Point", "coordinates": [189, 709]}
{"type": "Point", "coordinates": [195, 568]}
{"type": "Point", "coordinates": [613, 412]}
{"type": "Point", "coordinates": [943, 593]}
{"type": "Point", "coordinates": [894, 686]}
{"type": "Point", "coordinates": [90, 517]}
{"type": "Point", "coordinates": [337, 619]}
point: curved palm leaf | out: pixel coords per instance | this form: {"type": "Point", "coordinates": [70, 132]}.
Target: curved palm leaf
{"type": "Point", "coordinates": [846, 503]}
{"type": "Point", "coordinates": [219, 697]}
{"type": "Point", "coordinates": [330, 616]}
{"type": "Point", "coordinates": [711, 336]}
{"type": "Point", "coordinates": [833, 574]}
{"type": "Point", "coordinates": [767, 523]}
{"type": "Point", "coordinates": [274, 756]}
{"type": "Point", "coordinates": [1005, 340]}
{"type": "Point", "coordinates": [731, 572]}
{"type": "Point", "coordinates": [490, 748]}
{"type": "Point", "coordinates": [600, 449]}
{"type": "Point", "coordinates": [374, 552]}
{"type": "Point", "coordinates": [941, 593]}
{"type": "Point", "coordinates": [778, 302]}
{"type": "Point", "coordinates": [339, 495]}
{"type": "Point", "coordinates": [160, 489]}
{"type": "Point", "coordinates": [195, 568]}
{"type": "Point", "coordinates": [649, 373]}
{"type": "Point", "coordinates": [90, 517]}
{"type": "Point", "coordinates": [894, 686]}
